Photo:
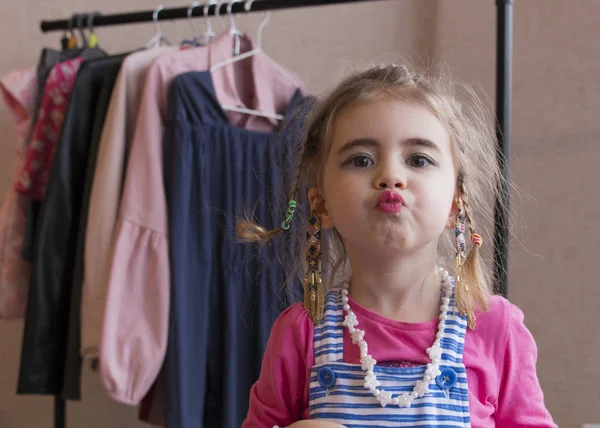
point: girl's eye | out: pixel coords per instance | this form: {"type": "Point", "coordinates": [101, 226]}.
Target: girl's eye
{"type": "Point", "coordinates": [420, 161]}
{"type": "Point", "coordinates": [360, 161]}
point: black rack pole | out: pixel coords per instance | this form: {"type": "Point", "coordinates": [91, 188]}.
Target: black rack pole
{"type": "Point", "coordinates": [59, 412]}
{"type": "Point", "coordinates": [181, 12]}
{"type": "Point", "coordinates": [503, 114]}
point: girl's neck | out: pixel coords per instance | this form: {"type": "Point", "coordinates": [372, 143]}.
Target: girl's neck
{"type": "Point", "coordinates": [403, 289]}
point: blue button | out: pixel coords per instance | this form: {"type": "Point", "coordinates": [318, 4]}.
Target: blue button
{"type": "Point", "coordinates": [326, 377]}
{"type": "Point", "coordinates": [447, 379]}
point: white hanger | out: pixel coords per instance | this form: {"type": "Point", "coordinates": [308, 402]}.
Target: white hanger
{"type": "Point", "coordinates": [190, 11]}
{"type": "Point", "coordinates": [255, 51]}
{"type": "Point", "coordinates": [209, 34]}
{"type": "Point", "coordinates": [158, 38]}
{"type": "Point", "coordinates": [258, 49]}
{"type": "Point", "coordinates": [233, 30]}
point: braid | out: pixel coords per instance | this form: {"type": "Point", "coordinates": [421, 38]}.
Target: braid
{"type": "Point", "coordinates": [300, 162]}
{"type": "Point", "coordinates": [468, 212]}
{"type": "Point", "coordinates": [472, 290]}
{"type": "Point", "coordinates": [251, 232]}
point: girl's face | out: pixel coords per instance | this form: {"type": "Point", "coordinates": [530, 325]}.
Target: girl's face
{"type": "Point", "coordinates": [389, 179]}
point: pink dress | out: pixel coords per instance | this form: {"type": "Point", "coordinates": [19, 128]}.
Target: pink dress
{"type": "Point", "coordinates": [18, 91]}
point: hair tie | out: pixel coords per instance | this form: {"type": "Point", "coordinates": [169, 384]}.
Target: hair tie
{"type": "Point", "coordinates": [476, 239]}
{"type": "Point", "coordinates": [289, 215]}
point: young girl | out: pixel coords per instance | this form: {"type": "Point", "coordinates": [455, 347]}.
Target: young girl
{"type": "Point", "coordinates": [399, 165]}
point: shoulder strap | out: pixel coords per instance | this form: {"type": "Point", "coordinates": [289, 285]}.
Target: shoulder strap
{"type": "Point", "coordinates": [454, 332]}
{"type": "Point", "coordinates": [329, 334]}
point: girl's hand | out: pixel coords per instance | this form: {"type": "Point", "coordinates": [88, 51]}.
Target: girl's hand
{"type": "Point", "coordinates": [315, 424]}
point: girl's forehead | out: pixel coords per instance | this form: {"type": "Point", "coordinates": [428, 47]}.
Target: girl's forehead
{"type": "Point", "coordinates": [386, 119]}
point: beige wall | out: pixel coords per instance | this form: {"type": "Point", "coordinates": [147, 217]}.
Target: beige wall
{"type": "Point", "coordinates": [555, 157]}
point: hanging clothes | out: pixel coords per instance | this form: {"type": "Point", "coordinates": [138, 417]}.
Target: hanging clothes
{"type": "Point", "coordinates": [225, 295]}
{"type": "Point", "coordinates": [18, 90]}
{"type": "Point", "coordinates": [49, 59]}
{"type": "Point", "coordinates": [43, 358]}
{"type": "Point", "coordinates": [134, 338]}
{"type": "Point", "coordinates": [38, 159]}
{"type": "Point", "coordinates": [109, 71]}
{"type": "Point", "coordinates": [106, 192]}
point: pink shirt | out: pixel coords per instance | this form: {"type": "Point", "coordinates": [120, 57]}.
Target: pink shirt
{"type": "Point", "coordinates": [136, 318]}
{"type": "Point", "coordinates": [106, 191]}
{"type": "Point", "coordinates": [499, 355]}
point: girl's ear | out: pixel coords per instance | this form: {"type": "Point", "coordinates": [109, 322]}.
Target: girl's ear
{"type": "Point", "coordinates": [319, 206]}
{"type": "Point", "coordinates": [451, 221]}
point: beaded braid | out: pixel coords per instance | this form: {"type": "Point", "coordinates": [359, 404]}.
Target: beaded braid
{"type": "Point", "coordinates": [470, 271]}
{"type": "Point", "coordinates": [250, 232]}
{"type": "Point", "coordinates": [469, 217]}
{"type": "Point", "coordinates": [296, 183]}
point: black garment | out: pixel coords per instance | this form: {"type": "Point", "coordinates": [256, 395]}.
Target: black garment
{"type": "Point", "coordinates": [44, 349]}
{"type": "Point", "coordinates": [225, 295]}
{"type": "Point", "coordinates": [72, 381]}
{"type": "Point", "coordinates": [33, 213]}
{"type": "Point", "coordinates": [49, 58]}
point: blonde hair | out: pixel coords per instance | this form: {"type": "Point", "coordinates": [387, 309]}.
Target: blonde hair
{"type": "Point", "coordinates": [471, 129]}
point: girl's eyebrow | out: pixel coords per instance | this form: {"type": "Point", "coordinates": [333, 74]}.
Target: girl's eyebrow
{"type": "Point", "coordinates": [370, 142]}
{"type": "Point", "coordinates": [361, 142]}
{"type": "Point", "coordinates": [422, 142]}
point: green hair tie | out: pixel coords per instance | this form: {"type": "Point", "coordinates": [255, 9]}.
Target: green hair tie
{"type": "Point", "coordinates": [289, 215]}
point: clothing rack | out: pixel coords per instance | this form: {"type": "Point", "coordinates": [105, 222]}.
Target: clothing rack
{"type": "Point", "coordinates": [504, 36]}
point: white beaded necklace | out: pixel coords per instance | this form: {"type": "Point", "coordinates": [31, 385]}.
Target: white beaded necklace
{"type": "Point", "coordinates": [368, 363]}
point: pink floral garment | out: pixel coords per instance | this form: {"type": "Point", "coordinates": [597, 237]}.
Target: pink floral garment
{"type": "Point", "coordinates": [18, 91]}
{"type": "Point", "coordinates": [33, 177]}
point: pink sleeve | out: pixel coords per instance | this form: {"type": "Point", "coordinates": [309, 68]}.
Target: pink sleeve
{"type": "Point", "coordinates": [116, 138]}
{"type": "Point", "coordinates": [520, 397]}
{"type": "Point", "coordinates": [134, 335]}
{"type": "Point", "coordinates": [280, 396]}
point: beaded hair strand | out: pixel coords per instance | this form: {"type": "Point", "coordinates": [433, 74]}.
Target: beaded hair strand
{"type": "Point", "coordinates": [468, 294]}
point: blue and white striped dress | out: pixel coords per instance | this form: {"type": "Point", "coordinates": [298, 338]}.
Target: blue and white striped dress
{"type": "Point", "coordinates": [336, 388]}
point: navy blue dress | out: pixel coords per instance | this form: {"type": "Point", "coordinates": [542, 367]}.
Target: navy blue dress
{"type": "Point", "coordinates": [225, 295]}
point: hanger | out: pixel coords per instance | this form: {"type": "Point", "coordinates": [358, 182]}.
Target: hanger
{"type": "Point", "coordinates": [233, 30]}
{"type": "Point", "coordinates": [196, 40]}
{"type": "Point", "coordinates": [232, 27]}
{"type": "Point", "coordinates": [243, 56]}
{"type": "Point", "coordinates": [87, 51]}
{"type": "Point", "coordinates": [209, 35]}
{"type": "Point", "coordinates": [257, 50]}
{"type": "Point", "coordinates": [158, 38]}
{"type": "Point", "coordinates": [80, 18]}
{"type": "Point", "coordinates": [92, 39]}
{"type": "Point", "coordinates": [75, 24]}
{"type": "Point", "coordinates": [68, 40]}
